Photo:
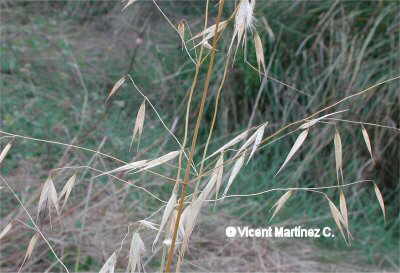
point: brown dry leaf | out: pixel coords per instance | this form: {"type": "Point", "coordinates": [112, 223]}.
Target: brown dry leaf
{"type": "Point", "coordinates": [258, 137]}
{"type": "Point", "coordinates": [116, 86]}
{"type": "Point", "coordinates": [67, 189]}
{"type": "Point", "coordinates": [138, 129]}
{"type": "Point", "coordinates": [231, 143]}
{"type": "Point", "coordinates": [259, 53]}
{"type": "Point", "coordinates": [281, 201]}
{"type": "Point", "coordinates": [5, 230]}
{"type": "Point", "coordinates": [166, 215]}
{"type": "Point", "coordinates": [5, 151]}
{"type": "Point", "coordinates": [160, 160]}
{"type": "Point", "coordinates": [337, 217]}
{"type": "Point", "coordinates": [109, 265]}
{"type": "Point", "coordinates": [30, 248]}
{"type": "Point", "coordinates": [136, 252]}
{"type": "Point", "coordinates": [380, 200]}
{"type": "Point", "coordinates": [235, 170]}
{"type": "Point", "coordinates": [299, 141]}
{"type": "Point", "coordinates": [338, 155]}
{"type": "Point", "coordinates": [366, 139]}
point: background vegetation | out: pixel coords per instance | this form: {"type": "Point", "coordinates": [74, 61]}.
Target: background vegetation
{"type": "Point", "coordinates": [59, 60]}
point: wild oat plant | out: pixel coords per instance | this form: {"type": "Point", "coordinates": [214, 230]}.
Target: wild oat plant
{"type": "Point", "coordinates": [202, 178]}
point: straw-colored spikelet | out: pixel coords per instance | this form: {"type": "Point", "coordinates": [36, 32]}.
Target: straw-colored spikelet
{"type": "Point", "coordinates": [281, 201]}
{"type": "Point", "coordinates": [338, 156]}
{"type": "Point", "coordinates": [160, 160]}
{"type": "Point", "coordinates": [5, 151]}
{"type": "Point", "coordinates": [66, 191]}
{"type": "Point", "coordinates": [136, 252]}
{"type": "Point", "coordinates": [5, 230]}
{"type": "Point", "coordinates": [244, 21]}
{"type": "Point", "coordinates": [109, 265]}
{"type": "Point", "coordinates": [169, 208]}
{"type": "Point", "coordinates": [128, 3]}
{"type": "Point", "coordinates": [30, 248]}
{"type": "Point", "coordinates": [209, 33]}
{"type": "Point", "coordinates": [312, 122]}
{"type": "Point", "coordinates": [257, 140]}
{"type": "Point", "coordinates": [366, 139]}
{"type": "Point", "coordinates": [116, 86]}
{"type": "Point", "coordinates": [232, 142]}
{"type": "Point", "coordinates": [259, 53]}
{"type": "Point", "coordinates": [139, 123]}
{"type": "Point", "coordinates": [337, 217]}
{"type": "Point", "coordinates": [235, 170]}
{"type": "Point", "coordinates": [48, 196]}
{"type": "Point", "coordinates": [380, 200]}
{"type": "Point", "coordinates": [299, 141]}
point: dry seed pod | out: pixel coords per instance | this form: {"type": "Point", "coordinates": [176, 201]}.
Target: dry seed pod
{"type": "Point", "coordinates": [136, 252]}
{"type": "Point", "coordinates": [5, 230]}
{"type": "Point", "coordinates": [235, 170]}
{"type": "Point", "coordinates": [139, 123]}
{"type": "Point", "coordinates": [380, 200]}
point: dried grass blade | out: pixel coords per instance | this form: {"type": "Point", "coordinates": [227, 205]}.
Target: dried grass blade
{"type": "Point", "coordinates": [139, 123]}
{"type": "Point", "coordinates": [116, 86]}
{"type": "Point", "coordinates": [380, 200]}
{"type": "Point", "coordinates": [281, 201]}
{"type": "Point", "coordinates": [258, 137]}
{"type": "Point", "coordinates": [160, 160]}
{"type": "Point", "coordinates": [366, 139]}
{"type": "Point", "coordinates": [5, 230]}
{"type": "Point", "coordinates": [299, 141]}
{"type": "Point", "coordinates": [235, 170]}
{"type": "Point", "coordinates": [5, 151]}
{"type": "Point", "coordinates": [109, 265]}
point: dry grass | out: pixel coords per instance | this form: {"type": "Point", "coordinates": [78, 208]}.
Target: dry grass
{"type": "Point", "coordinates": [129, 192]}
